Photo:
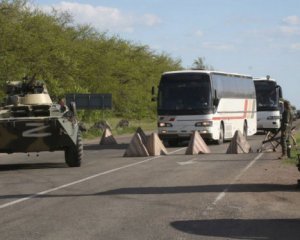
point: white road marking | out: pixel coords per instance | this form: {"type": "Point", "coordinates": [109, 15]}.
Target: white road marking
{"type": "Point", "coordinates": [223, 194]}
{"type": "Point", "coordinates": [192, 161]}
{"type": "Point", "coordinates": [80, 181]}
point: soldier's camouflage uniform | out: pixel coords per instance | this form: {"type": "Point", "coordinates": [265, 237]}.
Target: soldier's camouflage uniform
{"type": "Point", "coordinates": [286, 125]}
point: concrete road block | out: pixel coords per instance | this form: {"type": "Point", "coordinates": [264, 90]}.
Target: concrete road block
{"type": "Point", "coordinates": [155, 146]}
{"type": "Point", "coordinates": [136, 147]}
{"type": "Point", "coordinates": [238, 144]}
{"type": "Point", "coordinates": [142, 135]}
{"type": "Point", "coordinates": [196, 145]}
{"type": "Point", "coordinates": [107, 138]}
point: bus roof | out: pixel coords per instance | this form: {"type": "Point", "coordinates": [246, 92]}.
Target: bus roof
{"type": "Point", "coordinates": [209, 72]}
{"type": "Point", "coordinates": [264, 79]}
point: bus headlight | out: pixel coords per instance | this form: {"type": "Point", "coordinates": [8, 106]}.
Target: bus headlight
{"type": "Point", "coordinates": [204, 124]}
{"type": "Point", "coordinates": [162, 124]}
{"type": "Point", "coordinates": [273, 117]}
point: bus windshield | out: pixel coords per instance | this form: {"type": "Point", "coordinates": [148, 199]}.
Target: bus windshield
{"type": "Point", "coordinates": [266, 95]}
{"type": "Point", "coordinates": [184, 93]}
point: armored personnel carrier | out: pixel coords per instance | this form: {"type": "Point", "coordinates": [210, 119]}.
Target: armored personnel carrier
{"type": "Point", "coordinates": [31, 122]}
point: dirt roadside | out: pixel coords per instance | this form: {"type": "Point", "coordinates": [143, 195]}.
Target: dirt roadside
{"type": "Point", "coordinates": [272, 187]}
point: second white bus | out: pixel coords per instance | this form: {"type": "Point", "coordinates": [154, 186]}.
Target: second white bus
{"type": "Point", "coordinates": [269, 107]}
{"type": "Point", "coordinates": [215, 104]}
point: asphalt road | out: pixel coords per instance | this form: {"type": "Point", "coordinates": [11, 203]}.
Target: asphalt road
{"type": "Point", "coordinates": [213, 196]}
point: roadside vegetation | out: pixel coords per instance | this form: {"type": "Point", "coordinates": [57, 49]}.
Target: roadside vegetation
{"type": "Point", "coordinates": [73, 58]}
{"type": "Point", "coordinates": [295, 149]}
{"type": "Point", "coordinates": [93, 131]}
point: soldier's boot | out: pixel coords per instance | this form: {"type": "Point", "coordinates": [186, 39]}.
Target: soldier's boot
{"type": "Point", "coordinates": [283, 155]}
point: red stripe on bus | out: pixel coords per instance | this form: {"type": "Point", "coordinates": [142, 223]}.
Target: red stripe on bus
{"type": "Point", "coordinates": [235, 117]}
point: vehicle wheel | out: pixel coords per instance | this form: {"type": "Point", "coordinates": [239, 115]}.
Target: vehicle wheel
{"type": "Point", "coordinates": [73, 154]}
{"type": "Point", "coordinates": [221, 135]}
{"type": "Point", "coordinates": [245, 130]}
{"type": "Point", "coordinates": [173, 143]}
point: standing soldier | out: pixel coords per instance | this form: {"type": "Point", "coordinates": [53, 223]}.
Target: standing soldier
{"type": "Point", "coordinates": [286, 125]}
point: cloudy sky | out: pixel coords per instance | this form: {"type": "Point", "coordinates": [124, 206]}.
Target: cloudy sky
{"type": "Point", "coordinates": [256, 37]}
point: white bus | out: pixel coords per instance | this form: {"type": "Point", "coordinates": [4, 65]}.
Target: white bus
{"type": "Point", "coordinates": [269, 106]}
{"type": "Point", "coordinates": [214, 103]}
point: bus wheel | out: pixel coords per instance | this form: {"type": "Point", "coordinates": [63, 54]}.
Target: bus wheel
{"type": "Point", "coordinates": [221, 135]}
{"type": "Point", "coordinates": [245, 130]}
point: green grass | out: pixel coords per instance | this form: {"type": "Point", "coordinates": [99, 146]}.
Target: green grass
{"type": "Point", "coordinates": [145, 124]}
{"type": "Point", "coordinates": [295, 150]}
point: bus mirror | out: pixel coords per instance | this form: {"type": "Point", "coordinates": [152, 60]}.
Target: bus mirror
{"type": "Point", "coordinates": [279, 91]}
{"type": "Point", "coordinates": [216, 101]}
{"type": "Point", "coordinates": [153, 90]}
{"type": "Point", "coordinates": [154, 98]}
{"type": "Point", "coordinates": [214, 108]}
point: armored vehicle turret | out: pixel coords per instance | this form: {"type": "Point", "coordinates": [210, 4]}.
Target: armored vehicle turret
{"type": "Point", "coordinates": [31, 122]}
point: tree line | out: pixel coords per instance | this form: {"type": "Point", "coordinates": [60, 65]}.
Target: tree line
{"type": "Point", "coordinates": [74, 58]}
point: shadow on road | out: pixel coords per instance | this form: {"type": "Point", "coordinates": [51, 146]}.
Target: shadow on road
{"type": "Point", "coordinates": [271, 229]}
{"type": "Point", "coordinates": [261, 187]}
{"type": "Point", "coordinates": [175, 190]}
{"type": "Point", "coordinates": [13, 167]}
{"type": "Point", "coordinates": [94, 147]}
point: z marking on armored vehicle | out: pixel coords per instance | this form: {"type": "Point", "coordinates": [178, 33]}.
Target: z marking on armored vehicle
{"type": "Point", "coordinates": [31, 122]}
